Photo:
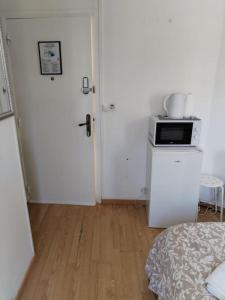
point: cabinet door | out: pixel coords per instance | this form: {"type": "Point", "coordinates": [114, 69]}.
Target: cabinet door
{"type": "Point", "coordinates": [175, 187]}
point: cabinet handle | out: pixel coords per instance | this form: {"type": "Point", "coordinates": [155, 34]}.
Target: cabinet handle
{"type": "Point", "coordinates": [177, 161]}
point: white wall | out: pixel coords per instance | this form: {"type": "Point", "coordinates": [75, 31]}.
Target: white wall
{"type": "Point", "coordinates": [215, 152]}
{"type": "Point", "coordinates": [215, 149]}
{"type": "Point", "coordinates": [152, 48]}
{"type": "Point", "coordinates": [42, 5]}
{"type": "Point", "coordinates": [16, 249]}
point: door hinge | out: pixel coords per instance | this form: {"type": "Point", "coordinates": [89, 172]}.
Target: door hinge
{"type": "Point", "coordinates": [28, 192]}
{"type": "Point", "coordinates": [18, 122]}
{"type": "Point", "coordinates": [8, 39]}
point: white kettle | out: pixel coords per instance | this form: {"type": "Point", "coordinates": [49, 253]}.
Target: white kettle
{"type": "Point", "coordinates": [177, 106]}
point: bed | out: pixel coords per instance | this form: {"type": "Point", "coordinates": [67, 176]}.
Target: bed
{"type": "Point", "coordinates": [181, 259]}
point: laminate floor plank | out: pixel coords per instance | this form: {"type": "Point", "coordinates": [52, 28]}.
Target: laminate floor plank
{"type": "Point", "coordinates": [90, 253]}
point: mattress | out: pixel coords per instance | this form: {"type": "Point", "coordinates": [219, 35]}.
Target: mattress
{"type": "Point", "coordinates": [181, 259]}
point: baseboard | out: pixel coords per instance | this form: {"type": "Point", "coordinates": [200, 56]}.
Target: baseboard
{"type": "Point", "coordinates": [104, 202]}
{"type": "Point", "coordinates": [124, 202]}
{"type": "Point", "coordinates": [19, 293]}
{"type": "Point", "coordinates": [210, 205]}
{"type": "Point", "coordinates": [62, 203]}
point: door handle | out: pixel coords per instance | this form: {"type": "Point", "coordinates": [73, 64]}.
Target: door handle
{"type": "Point", "coordinates": [87, 124]}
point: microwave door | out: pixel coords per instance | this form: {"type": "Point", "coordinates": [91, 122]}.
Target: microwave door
{"type": "Point", "coordinates": [174, 133]}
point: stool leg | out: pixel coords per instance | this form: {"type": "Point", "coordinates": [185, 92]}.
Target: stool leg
{"type": "Point", "coordinates": [221, 208]}
{"type": "Point", "coordinates": [215, 196]}
{"type": "Point", "coordinates": [216, 200]}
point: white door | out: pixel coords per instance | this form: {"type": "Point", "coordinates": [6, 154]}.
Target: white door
{"type": "Point", "coordinates": [58, 154]}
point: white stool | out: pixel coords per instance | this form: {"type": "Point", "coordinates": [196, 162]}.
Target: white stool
{"type": "Point", "coordinates": [214, 183]}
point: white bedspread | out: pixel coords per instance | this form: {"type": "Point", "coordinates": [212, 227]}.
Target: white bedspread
{"type": "Point", "coordinates": [181, 259]}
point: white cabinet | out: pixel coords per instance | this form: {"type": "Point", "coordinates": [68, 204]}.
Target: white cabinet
{"type": "Point", "coordinates": [173, 176]}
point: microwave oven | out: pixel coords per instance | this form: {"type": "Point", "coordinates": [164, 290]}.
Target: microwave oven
{"type": "Point", "coordinates": [164, 131]}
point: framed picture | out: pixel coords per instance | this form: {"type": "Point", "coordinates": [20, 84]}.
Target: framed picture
{"type": "Point", "coordinates": [50, 57]}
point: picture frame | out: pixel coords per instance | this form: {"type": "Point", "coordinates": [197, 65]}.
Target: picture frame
{"type": "Point", "coordinates": [50, 57]}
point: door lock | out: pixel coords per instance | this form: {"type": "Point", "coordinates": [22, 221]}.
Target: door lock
{"type": "Point", "coordinates": [85, 86]}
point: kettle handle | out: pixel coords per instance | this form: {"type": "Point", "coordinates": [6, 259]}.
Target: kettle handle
{"type": "Point", "coordinates": [189, 105]}
{"type": "Point", "coordinates": [165, 102]}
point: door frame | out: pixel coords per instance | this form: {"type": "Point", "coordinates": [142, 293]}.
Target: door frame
{"type": "Point", "coordinates": [96, 67]}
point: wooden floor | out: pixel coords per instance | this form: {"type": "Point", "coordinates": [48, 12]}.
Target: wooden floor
{"type": "Point", "coordinates": [89, 253]}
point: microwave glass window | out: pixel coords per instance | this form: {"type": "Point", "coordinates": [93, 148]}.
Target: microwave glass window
{"type": "Point", "coordinates": [174, 133]}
